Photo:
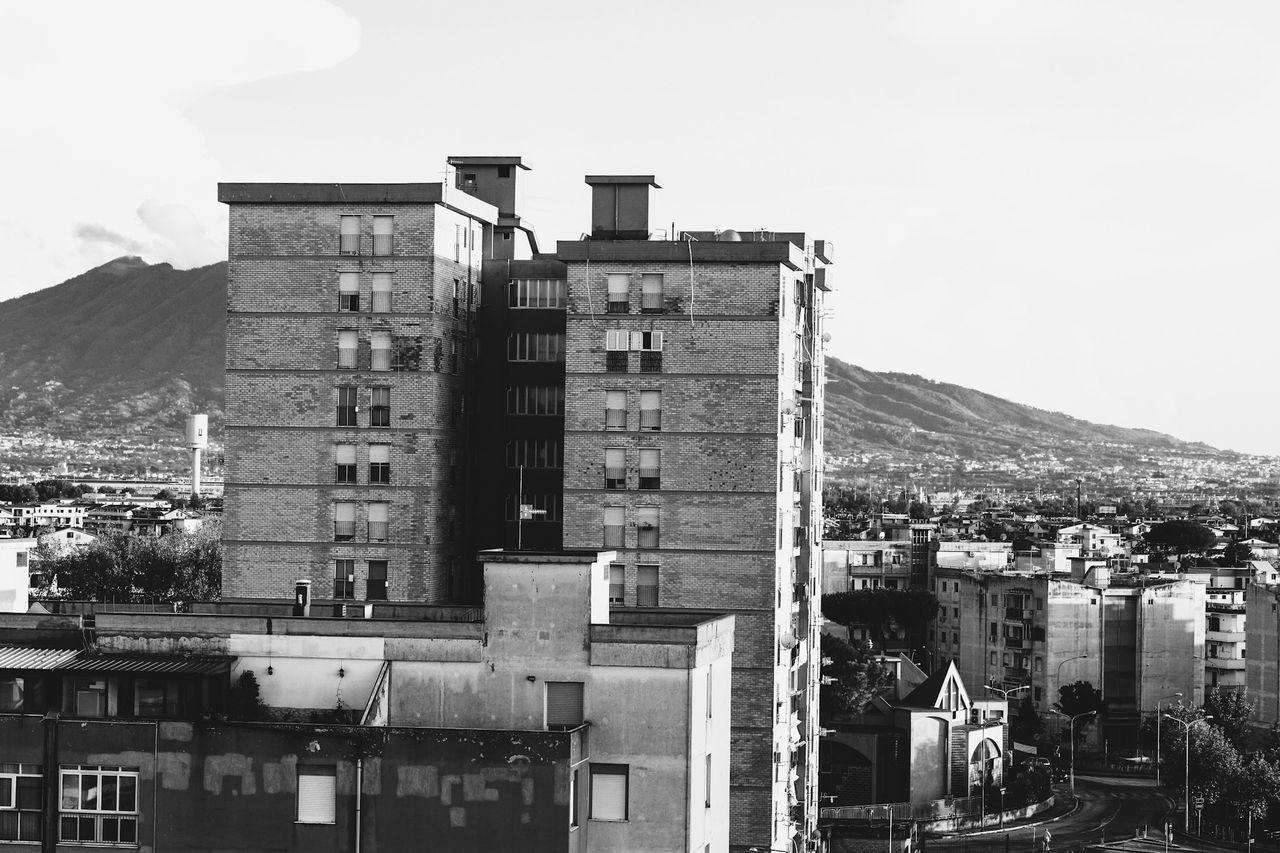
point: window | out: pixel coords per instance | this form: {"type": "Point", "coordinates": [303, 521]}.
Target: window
{"type": "Point", "coordinates": [382, 293]}
{"type": "Point", "coordinates": [379, 524]}
{"type": "Point", "coordinates": [564, 705]}
{"type": "Point", "coordinates": [99, 805]}
{"type": "Point", "coordinates": [608, 792]}
{"type": "Point", "coordinates": [650, 468]}
{"type": "Point", "coordinates": [344, 521]}
{"type": "Point", "coordinates": [615, 409]}
{"type": "Point", "coordinates": [88, 696]}
{"type": "Point", "coordinates": [537, 293]}
{"type": "Point", "coordinates": [456, 300]}
{"type": "Point", "coordinates": [575, 787]}
{"type": "Point", "coordinates": [317, 794]}
{"type": "Point", "coordinates": [348, 291]}
{"type": "Point", "coordinates": [535, 400]}
{"type": "Point", "coordinates": [380, 350]}
{"type": "Point", "coordinates": [617, 575]}
{"type": "Point", "coordinates": [379, 464]}
{"type": "Point", "coordinates": [647, 527]}
{"type": "Point", "coordinates": [21, 802]}
{"type": "Point", "coordinates": [344, 578]}
{"type": "Point", "coordinates": [534, 453]}
{"type": "Point", "coordinates": [344, 459]}
{"type": "Point", "coordinates": [615, 362]}
{"type": "Point", "coordinates": [619, 290]}
{"type": "Point", "coordinates": [380, 411]}
{"type": "Point", "coordinates": [615, 468]}
{"type": "Point", "coordinates": [349, 235]}
{"type": "Point", "coordinates": [651, 362]}
{"type": "Point", "coordinates": [376, 585]}
{"type": "Point", "coordinates": [650, 410]}
{"type": "Point", "coordinates": [613, 526]}
{"type": "Point", "coordinates": [347, 343]}
{"type": "Point", "coordinates": [646, 586]}
{"type": "Point", "coordinates": [12, 688]}
{"type": "Point", "coordinates": [651, 293]}
{"type": "Point", "coordinates": [383, 230]}
{"type": "Point", "coordinates": [995, 599]}
{"type": "Point", "coordinates": [346, 405]}
{"type": "Point", "coordinates": [155, 697]}
{"type": "Point", "coordinates": [535, 346]}
{"type": "Point", "coordinates": [994, 660]}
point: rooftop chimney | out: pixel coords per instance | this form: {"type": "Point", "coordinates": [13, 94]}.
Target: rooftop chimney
{"type": "Point", "coordinates": [620, 206]}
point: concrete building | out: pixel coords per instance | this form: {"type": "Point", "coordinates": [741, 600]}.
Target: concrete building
{"type": "Point", "coordinates": [975, 556]}
{"type": "Point", "coordinates": [349, 319]}
{"type": "Point", "coordinates": [15, 561]}
{"type": "Point", "coordinates": [715, 498]}
{"type": "Point", "coordinates": [542, 722]}
{"type": "Point", "coordinates": [1132, 641]}
{"type": "Point", "coordinates": [849, 565]}
{"type": "Point", "coordinates": [1262, 666]}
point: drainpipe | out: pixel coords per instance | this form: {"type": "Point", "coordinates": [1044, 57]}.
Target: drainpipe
{"type": "Point", "coordinates": [359, 797]}
{"type": "Point", "coordinates": [49, 815]}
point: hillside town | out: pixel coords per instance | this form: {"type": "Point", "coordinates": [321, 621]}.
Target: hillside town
{"type": "Point", "coordinates": [522, 547]}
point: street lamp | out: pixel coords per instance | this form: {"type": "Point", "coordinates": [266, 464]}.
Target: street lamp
{"type": "Point", "coordinates": [1005, 693]}
{"type": "Point", "coordinates": [1158, 701]}
{"type": "Point", "coordinates": [1186, 769]}
{"type": "Point", "coordinates": [1072, 736]}
{"type": "Point", "coordinates": [1057, 678]}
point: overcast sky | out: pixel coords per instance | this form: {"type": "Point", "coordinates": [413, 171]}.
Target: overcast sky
{"type": "Point", "coordinates": [1070, 204]}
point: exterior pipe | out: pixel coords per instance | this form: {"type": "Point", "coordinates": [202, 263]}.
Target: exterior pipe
{"type": "Point", "coordinates": [359, 798]}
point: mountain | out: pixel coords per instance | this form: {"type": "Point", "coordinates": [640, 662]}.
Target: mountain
{"type": "Point", "coordinates": [119, 355]}
{"type": "Point", "coordinates": [116, 356]}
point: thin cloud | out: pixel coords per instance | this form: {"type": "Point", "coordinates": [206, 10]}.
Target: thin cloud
{"type": "Point", "coordinates": [92, 233]}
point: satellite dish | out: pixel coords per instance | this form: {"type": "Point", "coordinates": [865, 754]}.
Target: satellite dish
{"type": "Point", "coordinates": [729, 236]}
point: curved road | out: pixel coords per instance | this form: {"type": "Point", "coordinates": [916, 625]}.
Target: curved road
{"type": "Point", "coordinates": [1112, 810]}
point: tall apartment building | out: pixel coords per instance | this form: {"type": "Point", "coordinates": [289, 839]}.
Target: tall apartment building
{"type": "Point", "coordinates": [349, 319]}
{"type": "Point", "coordinates": [693, 446]}
{"type": "Point", "coordinates": [660, 398]}
{"type": "Point", "coordinates": [1137, 643]}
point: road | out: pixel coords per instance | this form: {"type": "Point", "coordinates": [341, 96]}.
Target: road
{"type": "Point", "coordinates": [1111, 809]}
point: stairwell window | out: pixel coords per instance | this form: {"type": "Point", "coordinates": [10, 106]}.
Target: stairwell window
{"type": "Point", "coordinates": [535, 400]}
{"type": "Point", "coordinates": [348, 341]}
{"type": "Point", "coordinates": [382, 293]}
{"type": "Point", "coordinates": [379, 464]}
{"type": "Point", "coordinates": [617, 583]}
{"type": "Point", "coordinates": [383, 233]}
{"type": "Point", "coordinates": [380, 350]}
{"type": "Point", "coordinates": [615, 468]}
{"type": "Point", "coordinates": [647, 527]}
{"type": "Point", "coordinates": [348, 291]}
{"type": "Point", "coordinates": [651, 293]}
{"type": "Point", "coordinates": [646, 586]}
{"type": "Point", "coordinates": [379, 521]}
{"type": "Point", "coordinates": [344, 521]}
{"type": "Point", "coordinates": [535, 346]}
{"type": "Point", "coordinates": [614, 526]}
{"type": "Point", "coordinates": [376, 585]}
{"type": "Point", "coordinates": [651, 410]}
{"type": "Point", "coordinates": [344, 579]}
{"type": "Point", "coordinates": [346, 405]}
{"type": "Point", "coordinates": [344, 458]}
{"type": "Point", "coordinates": [537, 293]}
{"type": "Point", "coordinates": [349, 235]}
{"type": "Point", "coordinates": [619, 293]}
{"type": "Point", "coordinates": [615, 409]}
{"type": "Point", "coordinates": [650, 468]}
{"type": "Point", "coordinates": [380, 410]}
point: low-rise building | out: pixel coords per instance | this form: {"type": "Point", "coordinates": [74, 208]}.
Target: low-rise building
{"type": "Point", "coordinates": [975, 556]}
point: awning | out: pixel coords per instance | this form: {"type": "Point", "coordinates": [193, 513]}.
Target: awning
{"type": "Point", "coordinates": [148, 665]}
{"type": "Point", "coordinates": [27, 657]}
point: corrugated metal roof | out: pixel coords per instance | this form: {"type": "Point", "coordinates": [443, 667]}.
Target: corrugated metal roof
{"type": "Point", "coordinates": [148, 664]}
{"type": "Point", "coordinates": [27, 657]}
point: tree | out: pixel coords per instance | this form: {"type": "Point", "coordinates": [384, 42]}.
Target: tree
{"type": "Point", "coordinates": [244, 699]}
{"type": "Point", "coordinates": [856, 677]}
{"type": "Point", "coordinates": [1027, 727]}
{"type": "Point", "coordinates": [176, 567]}
{"type": "Point", "coordinates": [1233, 713]}
{"type": "Point", "coordinates": [1181, 536]}
{"type": "Point", "coordinates": [1237, 554]}
{"type": "Point", "coordinates": [1254, 787]}
{"type": "Point", "coordinates": [887, 611]}
{"type": "Point", "coordinates": [1080, 698]}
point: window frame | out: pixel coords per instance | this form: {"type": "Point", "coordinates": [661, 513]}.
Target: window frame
{"type": "Point", "coordinates": [611, 770]}
{"type": "Point", "coordinates": [316, 771]}
{"type": "Point", "coordinates": [97, 817]}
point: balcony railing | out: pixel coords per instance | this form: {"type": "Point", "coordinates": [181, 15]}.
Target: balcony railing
{"type": "Point", "coordinates": [380, 359]}
{"type": "Point", "coordinates": [382, 302]}
{"type": "Point", "coordinates": [382, 244]}
{"type": "Point", "coordinates": [349, 244]}
{"type": "Point", "coordinates": [344, 531]}
{"type": "Point", "coordinates": [615, 478]}
{"type": "Point", "coordinates": [98, 828]}
{"type": "Point", "coordinates": [651, 303]}
{"type": "Point", "coordinates": [647, 536]}
{"type": "Point", "coordinates": [613, 534]}
{"type": "Point", "coordinates": [378, 531]}
{"type": "Point", "coordinates": [347, 358]}
{"type": "Point", "coordinates": [615, 418]}
{"type": "Point", "coordinates": [651, 419]}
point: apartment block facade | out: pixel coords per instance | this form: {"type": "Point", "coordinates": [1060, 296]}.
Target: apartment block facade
{"type": "Point", "coordinates": [350, 315]}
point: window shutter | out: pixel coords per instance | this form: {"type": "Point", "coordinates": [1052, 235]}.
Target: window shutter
{"type": "Point", "coordinates": [383, 225]}
{"type": "Point", "coordinates": [564, 704]}
{"type": "Point", "coordinates": [609, 792]}
{"type": "Point", "coordinates": [349, 282]}
{"type": "Point", "coordinates": [317, 794]}
{"type": "Point", "coordinates": [379, 453]}
{"type": "Point", "coordinates": [345, 454]}
{"type": "Point", "coordinates": [637, 340]}
{"type": "Point", "coordinates": [656, 341]}
{"type": "Point", "coordinates": [378, 511]}
{"type": "Point", "coordinates": [344, 511]}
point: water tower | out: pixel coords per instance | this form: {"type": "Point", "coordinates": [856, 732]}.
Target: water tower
{"type": "Point", "coordinates": [197, 440]}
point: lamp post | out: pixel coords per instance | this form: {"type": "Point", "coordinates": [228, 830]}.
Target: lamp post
{"type": "Point", "coordinates": [1072, 736]}
{"type": "Point", "coordinates": [1057, 678]}
{"type": "Point", "coordinates": [1005, 693]}
{"type": "Point", "coordinates": [1186, 769]}
{"type": "Point", "coordinates": [1158, 701]}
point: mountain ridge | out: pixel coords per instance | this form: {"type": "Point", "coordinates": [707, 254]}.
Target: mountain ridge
{"type": "Point", "coordinates": [128, 348]}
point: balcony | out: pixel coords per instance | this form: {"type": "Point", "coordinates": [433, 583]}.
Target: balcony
{"type": "Point", "coordinates": [616, 418]}
{"type": "Point", "coordinates": [651, 419]}
{"type": "Point", "coordinates": [613, 535]}
{"type": "Point", "coordinates": [1018, 614]}
{"type": "Point", "coordinates": [1224, 663]}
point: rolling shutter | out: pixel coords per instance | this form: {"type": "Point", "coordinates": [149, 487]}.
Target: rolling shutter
{"type": "Point", "coordinates": [317, 794]}
{"type": "Point", "coordinates": [564, 704]}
